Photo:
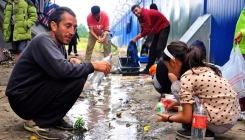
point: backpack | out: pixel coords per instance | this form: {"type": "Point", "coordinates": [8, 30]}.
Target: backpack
{"type": "Point", "coordinates": [44, 9]}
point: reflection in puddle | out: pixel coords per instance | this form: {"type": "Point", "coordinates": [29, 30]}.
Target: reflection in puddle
{"type": "Point", "coordinates": [99, 111]}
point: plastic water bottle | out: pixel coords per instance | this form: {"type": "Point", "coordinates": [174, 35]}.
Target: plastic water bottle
{"type": "Point", "coordinates": [199, 122]}
{"type": "Point", "coordinates": [180, 110]}
{"type": "Point", "coordinates": [160, 108]}
{"type": "Point", "coordinates": [98, 76]}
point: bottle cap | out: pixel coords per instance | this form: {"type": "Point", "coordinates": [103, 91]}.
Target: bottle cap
{"type": "Point", "coordinates": [201, 101]}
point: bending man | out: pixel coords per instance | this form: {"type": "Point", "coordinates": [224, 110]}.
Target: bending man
{"type": "Point", "coordinates": [152, 22]}
{"type": "Point", "coordinates": [98, 23]}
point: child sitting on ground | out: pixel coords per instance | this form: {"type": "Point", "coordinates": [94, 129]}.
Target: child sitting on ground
{"type": "Point", "coordinates": [159, 72]}
{"type": "Point", "coordinates": [204, 81]}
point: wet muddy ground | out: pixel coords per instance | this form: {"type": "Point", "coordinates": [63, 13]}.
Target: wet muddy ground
{"type": "Point", "coordinates": [122, 109]}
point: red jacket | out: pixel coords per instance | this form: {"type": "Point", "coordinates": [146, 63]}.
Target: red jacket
{"type": "Point", "coordinates": [152, 22]}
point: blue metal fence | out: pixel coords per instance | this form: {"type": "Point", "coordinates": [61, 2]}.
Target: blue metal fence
{"type": "Point", "coordinates": [182, 14]}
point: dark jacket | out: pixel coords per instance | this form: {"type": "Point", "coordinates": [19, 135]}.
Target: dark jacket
{"type": "Point", "coordinates": [43, 61]}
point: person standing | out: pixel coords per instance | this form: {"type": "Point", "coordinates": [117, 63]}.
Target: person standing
{"type": "Point", "coordinates": [19, 17]}
{"type": "Point", "coordinates": [74, 44]}
{"type": "Point", "coordinates": [240, 39]}
{"type": "Point", "coordinates": [152, 22]}
{"type": "Point", "coordinates": [44, 85]}
{"type": "Point", "coordinates": [98, 23]}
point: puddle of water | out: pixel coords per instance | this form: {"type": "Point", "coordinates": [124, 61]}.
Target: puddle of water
{"type": "Point", "coordinates": [99, 111]}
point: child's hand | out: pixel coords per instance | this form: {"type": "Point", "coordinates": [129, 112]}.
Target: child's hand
{"type": "Point", "coordinates": [172, 77]}
{"type": "Point", "coordinates": [164, 118]}
{"type": "Point", "coordinates": [170, 103]}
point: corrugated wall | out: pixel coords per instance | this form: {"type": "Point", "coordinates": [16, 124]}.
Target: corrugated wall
{"type": "Point", "coordinates": [224, 17]}
{"type": "Point", "coordinates": [183, 13]}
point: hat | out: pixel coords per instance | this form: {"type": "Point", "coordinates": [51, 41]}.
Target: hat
{"type": "Point", "coordinates": [200, 45]}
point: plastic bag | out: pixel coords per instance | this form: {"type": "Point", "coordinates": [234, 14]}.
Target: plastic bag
{"type": "Point", "coordinates": [132, 53]}
{"type": "Point", "coordinates": [234, 71]}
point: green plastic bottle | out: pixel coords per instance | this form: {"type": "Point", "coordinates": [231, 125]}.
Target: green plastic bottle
{"type": "Point", "coordinates": [160, 108]}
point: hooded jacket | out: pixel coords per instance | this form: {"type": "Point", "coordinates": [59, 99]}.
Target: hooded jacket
{"type": "Point", "coordinates": [25, 18]}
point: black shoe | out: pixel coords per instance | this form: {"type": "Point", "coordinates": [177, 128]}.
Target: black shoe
{"type": "Point", "coordinates": [186, 126]}
{"type": "Point", "coordinates": [145, 71]}
{"type": "Point", "coordinates": [76, 54]}
{"type": "Point", "coordinates": [184, 133]}
{"type": "Point", "coordinates": [209, 135]}
{"type": "Point", "coordinates": [64, 125]}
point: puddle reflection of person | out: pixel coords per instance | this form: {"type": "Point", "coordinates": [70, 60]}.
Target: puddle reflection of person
{"type": "Point", "coordinates": [204, 81]}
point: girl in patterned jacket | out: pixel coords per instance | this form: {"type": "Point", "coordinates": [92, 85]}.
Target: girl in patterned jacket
{"type": "Point", "coordinates": [192, 77]}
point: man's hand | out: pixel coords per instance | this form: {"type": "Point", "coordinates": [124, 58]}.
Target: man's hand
{"type": "Point", "coordinates": [134, 40]}
{"type": "Point", "coordinates": [102, 66]}
{"type": "Point", "coordinates": [100, 40]}
{"type": "Point", "coordinates": [238, 38]}
{"type": "Point", "coordinates": [75, 60]}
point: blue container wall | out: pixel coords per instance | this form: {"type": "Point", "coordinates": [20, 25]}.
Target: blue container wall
{"type": "Point", "coordinates": [225, 14]}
